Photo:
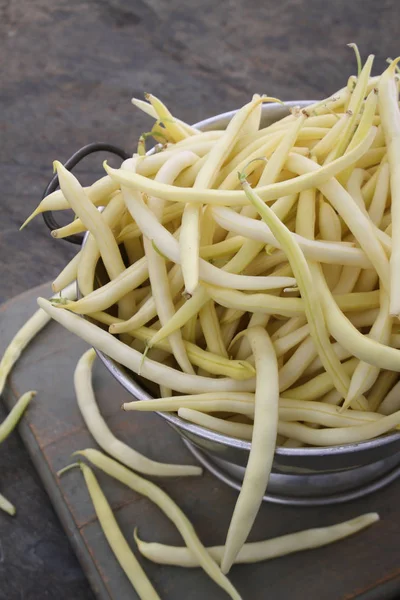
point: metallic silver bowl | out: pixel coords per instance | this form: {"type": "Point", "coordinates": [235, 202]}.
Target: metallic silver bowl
{"type": "Point", "coordinates": [300, 476]}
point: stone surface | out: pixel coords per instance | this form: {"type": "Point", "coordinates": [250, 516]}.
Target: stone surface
{"type": "Point", "coordinates": [68, 71]}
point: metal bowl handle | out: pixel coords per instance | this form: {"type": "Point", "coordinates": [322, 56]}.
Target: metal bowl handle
{"type": "Point", "coordinates": [70, 164]}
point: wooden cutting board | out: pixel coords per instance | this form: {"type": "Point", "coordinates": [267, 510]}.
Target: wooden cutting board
{"type": "Point", "coordinates": [363, 567]}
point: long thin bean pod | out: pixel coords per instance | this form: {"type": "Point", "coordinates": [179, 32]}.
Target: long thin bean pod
{"type": "Point", "coordinates": [169, 247]}
{"type": "Point", "coordinates": [359, 223]}
{"type": "Point", "coordinates": [262, 450]}
{"type": "Point", "coordinates": [391, 402]}
{"type": "Point", "coordinates": [133, 360]}
{"type": "Point", "coordinates": [339, 435]}
{"type": "Point", "coordinates": [90, 252]}
{"type": "Point", "coordinates": [377, 207]}
{"type": "Point", "coordinates": [187, 311]}
{"type": "Point", "coordinates": [132, 230]}
{"type": "Point", "coordinates": [211, 329]}
{"type": "Point", "coordinates": [325, 145]}
{"type": "Point", "coordinates": [319, 385]}
{"type": "Point", "coordinates": [169, 508]}
{"type": "Point", "coordinates": [390, 116]}
{"type": "Point", "coordinates": [290, 409]}
{"type": "Point", "coordinates": [151, 111]}
{"type": "Point", "coordinates": [287, 307]}
{"type": "Point", "coordinates": [111, 292]}
{"type": "Point", "coordinates": [324, 252]}
{"type": "Point", "coordinates": [118, 544]}
{"type": "Point", "coordinates": [349, 337]}
{"type": "Point", "coordinates": [382, 386]}
{"type": "Point", "coordinates": [365, 374]}
{"type": "Point", "coordinates": [259, 551]}
{"type": "Point", "coordinates": [330, 229]}
{"type": "Point", "coordinates": [354, 107]}
{"type": "Point", "coordinates": [275, 164]}
{"type": "Point", "coordinates": [25, 335]}
{"type": "Point", "coordinates": [103, 235]}
{"type": "Point", "coordinates": [238, 197]}
{"type": "Point", "coordinates": [158, 276]}
{"type": "Point", "coordinates": [175, 130]}
{"type": "Point", "coordinates": [105, 438]}
{"type": "Point", "coordinates": [67, 275]}
{"type": "Point", "coordinates": [189, 239]}
{"type": "Point", "coordinates": [304, 280]}
{"type": "Point", "coordinates": [242, 431]}
{"type": "Point", "coordinates": [6, 506]}
{"type": "Point", "coordinates": [202, 402]}
{"type": "Point", "coordinates": [148, 309]}
{"type": "Point", "coordinates": [11, 420]}
{"type": "Point", "coordinates": [212, 363]}
{"type": "Point", "coordinates": [76, 226]}
{"type": "Point", "coordinates": [98, 193]}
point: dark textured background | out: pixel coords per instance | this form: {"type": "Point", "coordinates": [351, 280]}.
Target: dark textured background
{"type": "Point", "coordinates": [68, 71]}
